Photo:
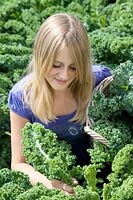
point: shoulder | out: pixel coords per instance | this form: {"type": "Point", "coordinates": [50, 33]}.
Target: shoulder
{"type": "Point", "coordinates": [100, 72]}
{"type": "Point", "coordinates": [17, 88]}
{"type": "Point", "coordinates": [15, 99]}
{"type": "Point", "coordinates": [101, 69]}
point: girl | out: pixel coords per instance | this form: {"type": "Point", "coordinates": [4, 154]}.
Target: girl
{"type": "Point", "coordinates": [56, 91]}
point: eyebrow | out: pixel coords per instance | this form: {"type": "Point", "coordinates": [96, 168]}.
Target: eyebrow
{"type": "Point", "coordinates": [56, 61]}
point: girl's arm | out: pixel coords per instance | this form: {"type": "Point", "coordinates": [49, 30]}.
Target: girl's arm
{"type": "Point", "coordinates": [18, 160]}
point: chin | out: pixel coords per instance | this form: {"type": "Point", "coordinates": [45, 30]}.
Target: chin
{"type": "Point", "coordinates": [59, 89]}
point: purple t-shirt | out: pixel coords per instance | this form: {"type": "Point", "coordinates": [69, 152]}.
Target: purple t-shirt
{"type": "Point", "coordinates": [71, 132]}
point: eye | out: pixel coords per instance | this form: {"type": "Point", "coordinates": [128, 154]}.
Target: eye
{"type": "Point", "coordinates": [72, 68]}
{"type": "Point", "coordinates": [56, 66]}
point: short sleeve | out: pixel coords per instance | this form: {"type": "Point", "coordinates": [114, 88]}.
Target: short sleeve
{"type": "Point", "coordinates": [100, 72]}
{"type": "Point", "coordinates": [16, 104]}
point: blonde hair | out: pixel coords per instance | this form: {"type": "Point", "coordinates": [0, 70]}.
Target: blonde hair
{"type": "Point", "coordinates": [56, 30]}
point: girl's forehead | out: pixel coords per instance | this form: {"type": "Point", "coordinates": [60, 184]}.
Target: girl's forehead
{"type": "Point", "coordinates": [63, 52]}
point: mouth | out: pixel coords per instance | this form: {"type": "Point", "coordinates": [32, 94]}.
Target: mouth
{"type": "Point", "coordinates": [60, 81]}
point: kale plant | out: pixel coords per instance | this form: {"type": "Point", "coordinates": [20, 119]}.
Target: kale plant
{"type": "Point", "coordinates": [120, 184]}
{"type": "Point", "coordinates": [46, 153]}
{"type": "Point", "coordinates": [17, 177]}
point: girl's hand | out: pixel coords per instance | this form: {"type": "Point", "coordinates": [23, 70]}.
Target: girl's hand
{"type": "Point", "coordinates": [63, 186]}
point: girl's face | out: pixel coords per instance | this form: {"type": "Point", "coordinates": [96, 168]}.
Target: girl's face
{"type": "Point", "coordinates": [63, 72]}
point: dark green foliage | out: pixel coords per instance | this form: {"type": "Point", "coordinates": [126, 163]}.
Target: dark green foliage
{"type": "Point", "coordinates": [10, 191]}
{"type": "Point", "coordinates": [122, 164]}
{"type": "Point", "coordinates": [9, 62]}
{"type": "Point", "coordinates": [95, 9]}
{"type": "Point", "coordinates": [111, 48]}
{"type": "Point", "coordinates": [15, 27]}
{"type": "Point", "coordinates": [121, 176]}
{"type": "Point", "coordinates": [123, 85]}
{"type": "Point", "coordinates": [48, 155]}
{"type": "Point", "coordinates": [33, 193]}
{"type": "Point", "coordinates": [12, 183]}
{"type": "Point", "coordinates": [119, 100]}
{"type": "Point", "coordinates": [16, 74]}
{"type": "Point", "coordinates": [40, 192]}
{"type": "Point", "coordinates": [52, 10]}
{"type": "Point", "coordinates": [31, 18]}
{"type": "Point", "coordinates": [13, 9]}
{"type": "Point", "coordinates": [60, 196]}
{"type": "Point", "coordinates": [120, 14]}
{"type": "Point", "coordinates": [5, 83]}
{"type": "Point", "coordinates": [4, 112]}
{"type": "Point", "coordinates": [17, 177]}
{"type": "Point", "coordinates": [54, 158]}
{"type": "Point", "coordinates": [88, 190]}
{"type": "Point", "coordinates": [15, 50]}
{"type": "Point", "coordinates": [15, 185]}
{"type": "Point", "coordinates": [105, 107]}
{"type": "Point", "coordinates": [76, 8]}
{"type": "Point", "coordinates": [5, 156]}
{"type": "Point", "coordinates": [112, 41]}
{"type": "Point", "coordinates": [123, 79]}
{"type": "Point", "coordinates": [18, 27]}
{"type": "Point", "coordinates": [14, 39]}
{"type": "Point", "coordinates": [118, 136]}
{"type": "Point", "coordinates": [90, 177]}
{"type": "Point", "coordinates": [125, 191]}
{"type": "Point", "coordinates": [85, 194]}
{"type": "Point", "coordinates": [5, 150]}
{"type": "Point", "coordinates": [109, 24]}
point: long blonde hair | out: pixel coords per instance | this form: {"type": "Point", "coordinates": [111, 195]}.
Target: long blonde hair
{"type": "Point", "coordinates": [56, 30]}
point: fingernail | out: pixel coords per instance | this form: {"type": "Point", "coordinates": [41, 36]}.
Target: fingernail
{"type": "Point", "coordinates": [64, 187]}
{"type": "Point", "coordinates": [67, 188]}
{"type": "Point", "coordinates": [75, 182]}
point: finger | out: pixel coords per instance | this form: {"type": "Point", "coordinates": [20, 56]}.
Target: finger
{"type": "Point", "coordinates": [61, 185]}
{"type": "Point", "coordinates": [57, 184]}
{"type": "Point", "coordinates": [67, 188]}
{"type": "Point", "coordinates": [75, 181]}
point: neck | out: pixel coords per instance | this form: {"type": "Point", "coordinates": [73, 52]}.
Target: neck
{"type": "Point", "coordinates": [62, 94]}
{"type": "Point", "coordinates": [64, 103]}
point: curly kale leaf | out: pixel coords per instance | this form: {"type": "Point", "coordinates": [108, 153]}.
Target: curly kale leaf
{"type": "Point", "coordinates": [125, 191]}
{"type": "Point", "coordinates": [122, 85]}
{"type": "Point", "coordinates": [120, 95]}
{"type": "Point", "coordinates": [5, 151]}
{"type": "Point", "coordinates": [46, 153]}
{"type": "Point", "coordinates": [42, 193]}
{"type": "Point", "coordinates": [4, 113]}
{"type": "Point", "coordinates": [10, 191]}
{"type": "Point", "coordinates": [89, 190]}
{"type": "Point", "coordinates": [59, 196]}
{"type": "Point", "coordinates": [123, 79]}
{"type": "Point", "coordinates": [16, 177]}
{"type": "Point", "coordinates": [117, 134]}
{"type": "Point", "coordinates": [85, 193]}
{"type": "Point", "coordinates": [105, 107]}
{"type": "Point", "coordinates": [120, 184]}
{"type": "Point", "coordinates": [90, 176]}
{"type": "Point", "coordinates": [35, 192]}
{"type": "Point", "coordinates": [5, 82]}
{"type": "Point", "coordinates": [122, 165]}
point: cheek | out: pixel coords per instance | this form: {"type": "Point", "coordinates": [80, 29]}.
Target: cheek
{"type": "Point", "coordinates": [53, 72]}
{"type": "Point", "coordinates": [73, 75]}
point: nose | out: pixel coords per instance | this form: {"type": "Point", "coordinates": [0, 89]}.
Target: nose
{"type": "Point", "coordinates": [64, 73]}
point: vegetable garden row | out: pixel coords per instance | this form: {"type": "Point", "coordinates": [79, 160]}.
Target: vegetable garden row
{"type": "Point", "coordinates": [109, 176]}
